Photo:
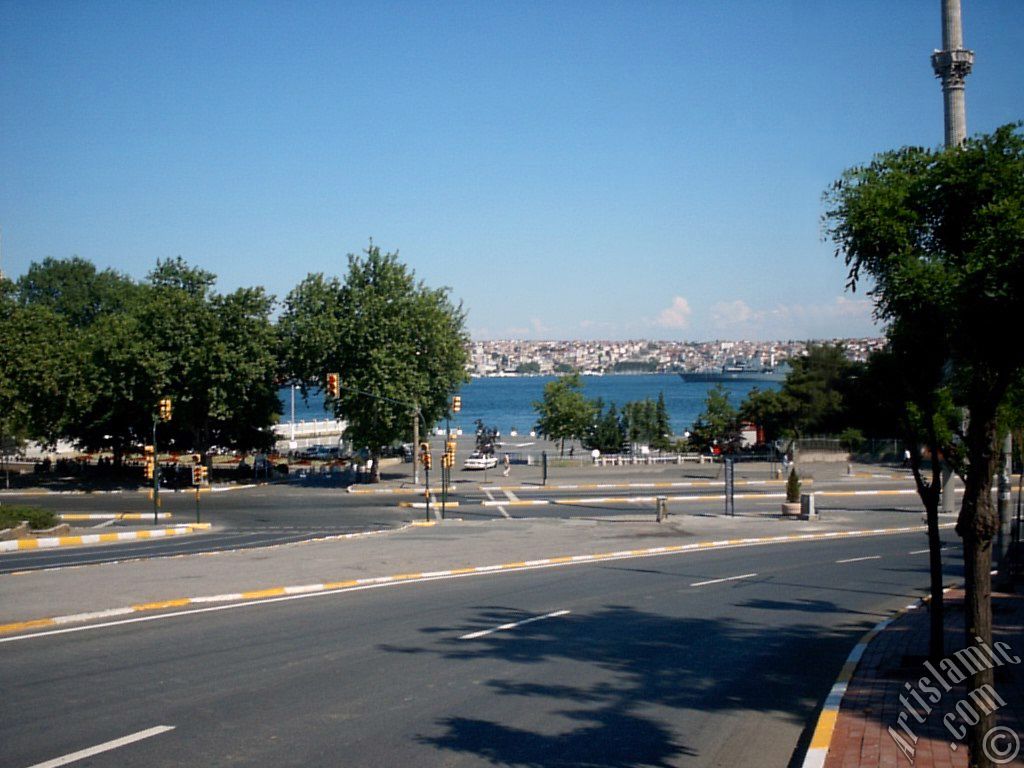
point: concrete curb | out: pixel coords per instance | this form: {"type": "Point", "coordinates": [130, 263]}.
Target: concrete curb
{"type": "Point", "coordinates": [423, 505]}
{"type": "Point", "coordinates": [74, 516]}
{"type": "Point", "coordinates": [350, 584]}
{"type": "Point", "coordinates": [53, 542]}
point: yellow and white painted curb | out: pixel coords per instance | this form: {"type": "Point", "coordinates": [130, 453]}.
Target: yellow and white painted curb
{"type": "Point", "coordinates": [682, 498]}
{"type": "Point", "coordinates": [274, 593]}
{"type": "Point", "coordinates": [423, 505]}
{"type": "Point", "coordinates": [76, 516]}
{"type": "Point", "coordinates": [53, 542]}
{"type": "Point", "coordinates": [821, 741]}
{"type": "Point", "coordinates": [822, 738]}
{"type": "Point", "coordinates": [615, 486]}
{"type": "Point", "coordinates": [386, 491]}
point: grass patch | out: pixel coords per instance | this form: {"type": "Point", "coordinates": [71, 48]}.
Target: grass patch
{"type": "Point", "coordinates": [37, 518]}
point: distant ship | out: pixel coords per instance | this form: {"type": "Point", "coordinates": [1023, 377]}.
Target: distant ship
{"type": "Point", "coordinates": [739, 369]}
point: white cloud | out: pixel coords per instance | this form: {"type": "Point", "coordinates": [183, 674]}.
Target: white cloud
{"type": "Point", "coordinates": [676, 316]}
{"type": "Point", "coordinates": [538, 327]}
{"type": "Point", "coordinates": [729, 314]}
{"type": "Point", "coordinates": [840, 317]}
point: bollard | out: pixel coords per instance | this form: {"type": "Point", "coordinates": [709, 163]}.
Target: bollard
{"type": "Point", "coordinates": [662, 508]}
{"type": "Point", "coordinates": [807, 507]}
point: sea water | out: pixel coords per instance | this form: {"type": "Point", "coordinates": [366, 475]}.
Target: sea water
{"type": "Point", "coordinates": [507, 403]}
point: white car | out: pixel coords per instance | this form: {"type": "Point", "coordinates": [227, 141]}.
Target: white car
{"type": "Point", "coordinates": [478, 460]}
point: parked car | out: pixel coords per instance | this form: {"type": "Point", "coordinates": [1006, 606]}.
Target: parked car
{"type": "Point", "coordinates": [479, 460]}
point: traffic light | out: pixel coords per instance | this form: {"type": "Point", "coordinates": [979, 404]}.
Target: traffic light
{"type": "Point", "coordinates": [199, 474]}
{"type": "Point", "coordinates": [456, 404]}
{"type": "Point", "coordinates": [425, 455]}
{"type": "Point", "coordinates": [150, 460]}
{"type": "Point", "coordinates": [165, 409]}
{"type": "Point", "coordinates": [333, 385]}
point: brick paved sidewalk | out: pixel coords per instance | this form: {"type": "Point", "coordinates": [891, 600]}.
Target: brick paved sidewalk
{"type": "Point", "coordinates": [892, 666]}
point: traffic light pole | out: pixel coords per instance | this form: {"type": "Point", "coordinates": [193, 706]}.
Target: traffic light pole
{"type": "Point", "coordinates": [156, 475]}
{"type": "Point", "coordinates": [444, 465]}
{"type": "Point", "coordinates": [426, 491]}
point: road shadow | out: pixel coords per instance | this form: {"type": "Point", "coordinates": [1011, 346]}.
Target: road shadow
{"type": "Point", "coordinates": [619, 687]}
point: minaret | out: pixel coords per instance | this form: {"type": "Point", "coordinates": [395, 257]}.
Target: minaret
{"type": "Point", "coordinates": [952, 64]}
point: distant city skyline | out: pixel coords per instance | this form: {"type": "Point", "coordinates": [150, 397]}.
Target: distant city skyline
{"type": "Point", "coordinates": [571, 170]}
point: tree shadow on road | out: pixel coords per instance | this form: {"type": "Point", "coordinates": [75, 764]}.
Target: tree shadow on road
{"type": "Point", "coordinates": [624, 687]}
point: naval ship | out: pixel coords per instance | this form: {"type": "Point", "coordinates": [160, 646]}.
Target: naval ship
{"type": "Point", "coordinates": [739, 369]}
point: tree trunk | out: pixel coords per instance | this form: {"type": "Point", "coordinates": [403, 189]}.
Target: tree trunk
{"type": "Point", "coordinates": [930, 494]}
{"type": "Point", "coordinates": [977, 527]}
{"type": "Point", "coordinates": [375, 471]}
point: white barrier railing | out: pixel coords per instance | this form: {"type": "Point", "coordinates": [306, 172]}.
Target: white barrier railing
{"type": "Point", "coordinates": [314, 428]}
{"type": "Point", "coordinates": [676, 458]}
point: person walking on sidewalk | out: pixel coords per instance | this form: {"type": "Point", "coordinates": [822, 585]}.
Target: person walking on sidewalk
{"type": "Point", "coordinates": [507, 464]}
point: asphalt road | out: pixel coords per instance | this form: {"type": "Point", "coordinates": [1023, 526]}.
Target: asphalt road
{"type": "Point", "coordinates": [710, 658]}
{"type": "Point", "coordinates": [248, 518]}
{"type": "Point", "coordinates": [279, 514]}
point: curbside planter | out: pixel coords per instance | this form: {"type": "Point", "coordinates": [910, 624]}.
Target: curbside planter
{"type": "Point", "coordinates": [790, 509]}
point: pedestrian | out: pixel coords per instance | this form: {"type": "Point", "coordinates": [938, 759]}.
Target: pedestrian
{"type": "Point", "coordinates": [508, 465]}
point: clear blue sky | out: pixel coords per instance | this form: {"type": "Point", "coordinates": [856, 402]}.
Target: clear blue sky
{"type": "Point", "coordinates": [570, 169]}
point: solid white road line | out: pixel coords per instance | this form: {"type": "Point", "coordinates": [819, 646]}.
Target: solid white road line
{"type": "Point", "coordinates": [719, 581]}
{"type": "Point", "coordinates": [105, 747]}
{"type": "Point", "coordinates": [503, 627]}
{"type": "Point", "coordinates": [859, 559]}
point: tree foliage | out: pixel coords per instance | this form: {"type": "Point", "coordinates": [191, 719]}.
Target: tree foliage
{"type": "Point", "coordinates": [941, 236]}
{"type": "Point", "coordinates": [564, 413]}
{"type": "Point", "coordinates": [397, 345]}
{"type": "Point", "coordinates": [718, 423]}
{"type": "Point", "coordinates": [88, 354]}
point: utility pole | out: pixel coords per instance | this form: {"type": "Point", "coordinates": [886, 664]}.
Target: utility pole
{"type": "Point", "coordinates": [952, 65]}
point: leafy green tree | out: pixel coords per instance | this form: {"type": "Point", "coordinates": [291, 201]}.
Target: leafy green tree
{"type": "Point", "coordinates": [75, 290]}
{"type": "Point", "coordinates": [564, 413]}
{"type": "Point", "coordinates": [815, 388]}
{"type": "Point", "coordinates": [718, 423]}
{"type": "Point", "coordinates": [396, 343]}
{"type": "Point", "coordinates": [941, 235]}
{"type": "Point", "coordinates": [662, 425]}
{"type": "Point", "coordinates": [607, 433]}
{"type": "Point", "coordinates": [771, 410]}
{"type": "Point", "coordinates": [99, 350]}
{"type": "Point", "coordinates": [40, 361]}
{"type": "Point", "coordinates": [214, 356]}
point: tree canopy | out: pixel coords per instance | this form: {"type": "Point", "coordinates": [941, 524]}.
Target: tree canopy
{"type": "Point", "coordinates": [396, 343]}
{"type": "Point", "coordinates": [941, 236]}
{"type": "Point", "coordinates": [87, 355]}
{"type": "Point", "coordinates": [564, 413]}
